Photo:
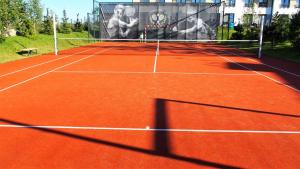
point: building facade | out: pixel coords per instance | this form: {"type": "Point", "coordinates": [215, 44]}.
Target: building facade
{"type": "Point", "coordinates": [241, 11]}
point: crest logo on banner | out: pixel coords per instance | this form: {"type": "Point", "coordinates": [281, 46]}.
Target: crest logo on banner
{"type": "Point", "coordinates": [158, 18]}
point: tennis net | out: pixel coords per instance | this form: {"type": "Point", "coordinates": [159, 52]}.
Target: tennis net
{"type": "Point", "coordinates": [240, 46]}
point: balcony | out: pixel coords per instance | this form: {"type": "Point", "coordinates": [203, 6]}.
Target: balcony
{"type": "Point", "coordinates": [230, 4]}
{"type": "Point", "coordinates": [263, 4]}
{"type": "Point", "coordinates": [285, 5]}
{"type": "Point", "coordinates": [248, 4]}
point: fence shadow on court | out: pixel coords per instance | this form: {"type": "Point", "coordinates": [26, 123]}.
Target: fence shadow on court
{"type": "Point", "coordinates": [286, 70]}
{"type": "Point", "coordinates": [291, 79]}
{"type": "Point", "coordinates": [161, 139]}
{"type": "Point", "coordinates": [235, 108]}
{"type": "Point", "coordinates": [158, 151]}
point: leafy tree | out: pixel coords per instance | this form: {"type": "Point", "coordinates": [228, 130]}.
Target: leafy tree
{"type": "Point", "coordinates": [295, 30]}
{"type": "Point", "coordinates": [24, 25]}
{"type": "Point", "coordinates": [4, 19]}
{"type": "Point", "coordinates": [65, 26]}
{"type": "Point", "coordinates": [36, 13]}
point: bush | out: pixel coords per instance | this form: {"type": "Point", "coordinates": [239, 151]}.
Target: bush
{"type": "Point", "coordinates": [252, 33]}
{"type": "Point", "coordinates": [295, 30]}
{"type": "Point", "coordinates": [2, 38]}
{"type": "Point", "coordinates": [238, 35]}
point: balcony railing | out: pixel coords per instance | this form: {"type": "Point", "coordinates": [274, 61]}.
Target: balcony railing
{"type": "Point", "coordinates": [285, 5]}
{"type": "Point", "coordinates": [263, 4]}
{"type": "Point", "coordinates": [231, 4]}
{"type": "Point", "coordinates": [249, 5]}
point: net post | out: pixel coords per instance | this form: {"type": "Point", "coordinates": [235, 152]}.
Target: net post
{"type": "Point", "coordinates": [55, 35]}
{"type": "Point", "coordinates": [223, 17]}
{"type": "Point", "coordinates": [261, 36]}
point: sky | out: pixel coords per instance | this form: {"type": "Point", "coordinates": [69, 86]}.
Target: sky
{"type": "Point", "coordinates": [72, 7]}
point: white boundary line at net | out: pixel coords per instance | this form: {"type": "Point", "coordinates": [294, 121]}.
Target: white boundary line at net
{"type": "Point", "coordinates": [171, 73]}
{"type": "Point", "coordinates": [148, 129]}
{"type": "Point", "coordinates": [155, 40]}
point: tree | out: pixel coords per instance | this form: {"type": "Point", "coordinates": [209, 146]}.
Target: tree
{"type": "Point", "coordinates": [278, 30]}
{"type": "Point", "coordinates": [47, 25]}
{"type": "Point", "coordinates": [295, 30]}
{"type": "Point", "coordinates": [24, 25]}
{"type": "Point", "coordinates": [78, 27]}
{"type": "Point", "coordinates": [36, 14]}
{"type": "Point", "coordinates": [4, 19]}
{"type": "Point", "coordinates": [65, 26]}
{"type": "Point", "coordinates": [238, 35]}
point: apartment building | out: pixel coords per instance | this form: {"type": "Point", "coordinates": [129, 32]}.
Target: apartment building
{"type": "Point", "coordinates": [240, 11]}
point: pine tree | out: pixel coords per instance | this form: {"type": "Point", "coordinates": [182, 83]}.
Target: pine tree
{"type": "Point", "coordinates": [295, 30]}
{"type": "Point", "coordinates": [78, 27]}
{"type": "Point", "coordinates": [278, 31]}
{"type": "Point", "coordinates": [65, 26]}
{"type": "Point", "coordinates": [47, 25]}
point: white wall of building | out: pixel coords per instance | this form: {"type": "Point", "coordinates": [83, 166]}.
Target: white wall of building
{"type": "Point", "coordinates": [239, 9]}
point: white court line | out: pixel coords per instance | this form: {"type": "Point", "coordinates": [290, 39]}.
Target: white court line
{"type": "Point", "coordinates": [274, 80]}
{"type": "Point", "coordinates": [40, 75]}
{"type": "Point", "coordinates": [150, 129]}
{"type": "Point", "coordinates": [276, 68]}
{"type": "Point", "coordinates": [50, 61]}
{"type": "Point", "coordinates": [175, 73]}
{"type": "Point", "coordinates": [156, 57]}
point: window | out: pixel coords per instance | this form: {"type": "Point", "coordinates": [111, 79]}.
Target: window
{"type": "Point", "coordinates": [285, 3]}
{"type": "Point", "coordinates": [298, 4]}
{"type": "Point", "coordinates": [263, 3]}
{"type": "Point", "coordinates": [230, 2]}
{"type": "Point", "coordinates": [229, 19]}
{"type": "Point", "coordinates": [248, 3]}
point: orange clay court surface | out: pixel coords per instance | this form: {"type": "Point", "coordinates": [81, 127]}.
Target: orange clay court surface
{"type": "Point", "coordinates": [119, 105]}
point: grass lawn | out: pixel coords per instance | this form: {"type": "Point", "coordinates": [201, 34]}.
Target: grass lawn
{"type": "Point", "coordinates": [44, 43]}
{"type": "Point", "coordinates": [283, 51]}
{"type": "Point", "coordinates": [226, 33]}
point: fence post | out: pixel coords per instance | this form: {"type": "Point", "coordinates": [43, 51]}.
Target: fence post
{"type": "Point", "coordinates": [261, 35]}
{"type": "Point", "coordinates": [55, 35]}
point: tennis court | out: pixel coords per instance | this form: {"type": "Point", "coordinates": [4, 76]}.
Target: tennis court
{"type": "Point", "coordinates": [149, 105]}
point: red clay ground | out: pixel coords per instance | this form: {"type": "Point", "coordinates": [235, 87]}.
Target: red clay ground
{"type": "Point", "coordinates": [223, 99]}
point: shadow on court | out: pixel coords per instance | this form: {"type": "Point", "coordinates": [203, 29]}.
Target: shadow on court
{"type": "Point", "coordinates": [289, 79]}
{"type": "Point", "coordinates": [158, 151]}
{"type": "Point", "coordinates": [161, 140]}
